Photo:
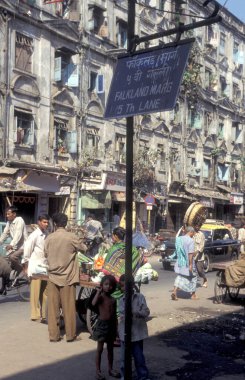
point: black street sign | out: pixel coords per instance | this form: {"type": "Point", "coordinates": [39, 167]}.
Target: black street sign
{"type": "Point", "coordinates": [147, 82]}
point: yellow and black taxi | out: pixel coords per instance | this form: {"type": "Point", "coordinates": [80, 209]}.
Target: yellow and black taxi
{"type": "Point", "coordinates": [219, 246]}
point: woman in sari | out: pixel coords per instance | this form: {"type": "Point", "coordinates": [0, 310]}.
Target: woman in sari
{"type": "Point", "coordinates": [115, 259]}
{"type": "Point", "coordinates": [186, 279]}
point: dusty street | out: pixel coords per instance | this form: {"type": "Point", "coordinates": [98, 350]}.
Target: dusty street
{"type": "Point", "coordinates": [188, 339]}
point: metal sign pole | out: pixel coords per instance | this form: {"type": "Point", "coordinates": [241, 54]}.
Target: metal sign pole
{"type": "Point", "coordinates": [129, 212]}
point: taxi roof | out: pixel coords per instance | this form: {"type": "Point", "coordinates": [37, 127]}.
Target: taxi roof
{"type": "Point", "coordinates": [207, 226]}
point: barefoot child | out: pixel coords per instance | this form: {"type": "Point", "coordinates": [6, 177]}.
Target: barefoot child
{"type": "Point", "coordinates": [106, 326]}
{"type": "Point", "coordinates": [139, 332]}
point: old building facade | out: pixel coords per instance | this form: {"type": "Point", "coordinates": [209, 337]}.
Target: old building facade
{"type": "Point", "coordinates": [59, 153]}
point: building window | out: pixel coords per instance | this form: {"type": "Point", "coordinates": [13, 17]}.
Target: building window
{"type": "Point", "coordinates": [235, 50]}
{"type": "Point", "coordinates": [97, 20]}
{"type": "Point", "coordinates": [161, 157]}
{"type": "Point", "coordinates": [161, 5]}
{"type": "Point", "coordinates": [220, 132]}
{"type": "Point", "coordinates": [61, 128]}
{"type": "Point", "coordinates": [193, 166]}
{"type": "Point", "coordinates": [24, 128]}
{"type": "Point", "coordinates": [65, 71]}
{"type": "Point", "coordinates": [96, 82]}
{"type": "Point", "coordinates": [122, 34]}
{"type": "Point", "coordinates": [237, 133]}
{"type": "Point", "coordinates": [222, 43]}
{"type": "Point", "coordinates": [224, 88]}
{"type": "Point", "coordinates": [236, 93]}
{"type": "Point", "coordinates": [92, 139]}
{"type": "Point", "coordinates": [195, 119]}
{"type": "Point", "coordinates": [208, 79]}
{"type": "Point", "coordinates": [23, 52]}
{"type": "Point", "coordinates": [206, 168]}
{"type": "Point", "coordinates": [120, 149]}
{"type": "Point", "coordinates": [223, 173]}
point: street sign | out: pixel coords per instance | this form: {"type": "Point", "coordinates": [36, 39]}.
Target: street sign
{"type": "Point", "coordinates": [149, 199]}
{"type": "Point", "coordinates": [146, 82]}
{"type": "Point", "coordinates": [149, 207]}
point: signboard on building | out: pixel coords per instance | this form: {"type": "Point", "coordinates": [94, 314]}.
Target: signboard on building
{"type": "Point", "coordinates": [207, 202]}
{"type": "Point", "coordinates": [64, 190]}
{"type": "Point", "coordinates": [147, 82]}
{"type": "Point", "coordinates": [236, 198]}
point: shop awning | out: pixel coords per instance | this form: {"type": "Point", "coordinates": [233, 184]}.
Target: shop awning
{"type": "Point", "coordinates": [4, 170]}
{"type": "Point", "coordinates": [39, 181]}
{"type": "Point", "coordinates": [224, 188]}
{"type": "Point", "coordinates": [207, 193]}
{"type": "Point", "coordinates": [96, 200]}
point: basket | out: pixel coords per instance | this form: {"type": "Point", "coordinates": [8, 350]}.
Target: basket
{"type": "Point", "coordinates": [195, 215]}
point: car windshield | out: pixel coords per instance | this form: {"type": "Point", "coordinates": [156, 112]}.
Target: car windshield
{"type": "Point", "coordinates": [207, 234]}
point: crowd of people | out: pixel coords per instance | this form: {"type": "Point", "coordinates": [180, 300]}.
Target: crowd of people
{"type": "Point", "coordinates": [53, 294]}
{"type": "Point", "coordinates": [55, 253]}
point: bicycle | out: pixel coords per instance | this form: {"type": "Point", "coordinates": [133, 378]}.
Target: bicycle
{"type": "Point", "coordinates": [22, 286]}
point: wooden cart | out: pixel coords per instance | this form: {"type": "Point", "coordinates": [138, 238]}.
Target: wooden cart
{"type": "Point", "coordinates": [86, 288]}
{"type": "Point", "coordinates": [221, 290]}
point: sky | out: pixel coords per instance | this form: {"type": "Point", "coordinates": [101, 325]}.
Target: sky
{"type": "Point", "coordinates": [237, 7]}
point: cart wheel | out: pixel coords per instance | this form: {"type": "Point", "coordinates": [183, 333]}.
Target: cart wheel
{"type": "Point", "coordinates": [220, 289]}
{"type": "Point", "coordinates": [91, 319]}
{"type": "Point", "coordinates": [233, 292]}
{"type": "Point", "coordinates": [24, 291]}
{"type": "Point", "coordinates": [82, 302]}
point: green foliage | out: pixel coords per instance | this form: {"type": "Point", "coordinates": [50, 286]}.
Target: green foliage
{"type": "Point", "coordinates": [144, 168]}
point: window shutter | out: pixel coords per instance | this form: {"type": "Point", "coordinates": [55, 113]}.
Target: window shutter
{"type": "Point", "coordinates": [73, 75]}
{"type": "Point", "coordinates": [220, 174]}
{"type": "Point", "coordinates": [31, 134]}
{"type": "Point", "coordinates": [239, 138]}
{"type": "Point", "coordinates": [197, 122]}
{"type": "Point", "coordinates": [227, 90]}
{"type": "Point", "coordinates": [71, 141]}
{"type": "Point", "coordinates": [55, 138]}
{"type": "Point", "coordinates": [189, 166]}
{"type": "Point", "coordinates": [205, 169]}
{"type": "Point", "coordinates": [15, 129]}
{"type": "Point", "coordinates": [57, 69]}
{"type": "Point", "coordinates": [240, 58]}
{"type": "Point", "coordinates": [100, 84]}
{"type": "Point", "coordinates": [226, 173]}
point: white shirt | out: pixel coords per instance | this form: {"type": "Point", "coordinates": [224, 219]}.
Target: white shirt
{"type": "Point", "coordinates": [17, 231]}
{"type": "Point", "coordinates": [34, 251]}
{"type": "Point", "coordinates": [140, 312]}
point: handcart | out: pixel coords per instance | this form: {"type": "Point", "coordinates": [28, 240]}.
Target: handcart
{"type": "Point", "coordinates": [221, 289]}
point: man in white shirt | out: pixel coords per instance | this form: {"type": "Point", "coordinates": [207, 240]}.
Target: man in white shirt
{"type": "Point", "coordinates": [94, 228]}
{"type": "Point", "coordinates": [16, 230]}
{"type": "Point", "coordinates": [35, 262]}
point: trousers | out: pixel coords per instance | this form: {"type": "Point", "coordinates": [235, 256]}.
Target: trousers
{"type": "Point", "coordinates": [14, 258]}
{"type": "Point", "coordinates": [38, 298]}
{"type": "Point", "coordinates": [139, 360]}
{"type": "Point", "coordinates": [61, 297]}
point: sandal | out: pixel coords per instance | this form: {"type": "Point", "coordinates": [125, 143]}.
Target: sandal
{"type": "Point", "coordinates": [115, 374]}
{"type": "Point", "coordinates": [195, 298]}
{"type": "Point", "coordinates": [205, 285]}
{"type": "Point", "coordinates": [174, 297]}
{"type": "Point", "coordinates": [99, 376]}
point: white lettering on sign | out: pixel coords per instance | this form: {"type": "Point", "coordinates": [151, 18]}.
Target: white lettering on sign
{"type": "Point", "coordinates": [147, 81]}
